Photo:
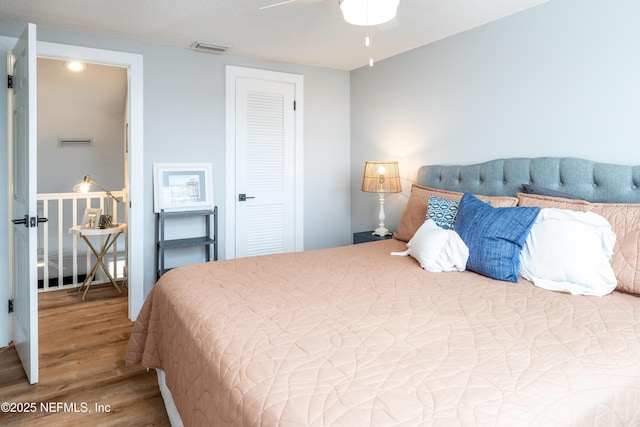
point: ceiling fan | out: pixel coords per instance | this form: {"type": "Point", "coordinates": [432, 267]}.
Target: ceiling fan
{"type": "Point", "coordinates": [380, 13]}
{"type": "Point", "coordinates": [356, 12]}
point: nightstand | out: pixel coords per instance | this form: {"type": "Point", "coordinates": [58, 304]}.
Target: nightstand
{"type": "Point", "coordinates": [367, 236]}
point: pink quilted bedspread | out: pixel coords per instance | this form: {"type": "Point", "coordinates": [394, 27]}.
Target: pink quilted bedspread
{"type": "Point", "coordinates": [352, 336]}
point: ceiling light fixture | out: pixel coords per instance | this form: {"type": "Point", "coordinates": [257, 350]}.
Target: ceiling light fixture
{"type": "Point", "coordinates": [75, 66]}
{"type": "Point", "coordinates": [209, 47]}
{"type": "Point", "coordinates": [368, 12]}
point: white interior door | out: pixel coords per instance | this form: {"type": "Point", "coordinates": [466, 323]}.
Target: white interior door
{"type": "Point", "coordinates": [22, 182]}
{"type": "Point", "coordinates": [264, 162]}
{"type": "Point", "coordinates": [265, 167]}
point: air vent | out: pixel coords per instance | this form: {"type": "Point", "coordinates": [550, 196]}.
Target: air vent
{"type": "Point", "coordinates": [74, 142]}
{"type": "Point", "coordinates": [209, 47]}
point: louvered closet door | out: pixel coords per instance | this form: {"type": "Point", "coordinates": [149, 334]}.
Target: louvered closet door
{"type": "Point", "coordinates": [265, 172]}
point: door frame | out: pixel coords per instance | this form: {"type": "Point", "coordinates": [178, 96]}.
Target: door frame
{"type": "Point", "coordinates": [233, 73]}
{"type": "Point", "coordinates": [135, 183]}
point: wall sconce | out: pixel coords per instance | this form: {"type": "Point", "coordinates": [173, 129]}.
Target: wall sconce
{"type": "Point", "coordinates": [381, 177]}
{"type": "Point", "coordinates": [84, 186]}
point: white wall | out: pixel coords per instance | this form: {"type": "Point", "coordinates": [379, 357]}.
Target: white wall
{"type": "Point", "coordinates": [560, 79]}
{"type": "Point", "coordinates": [79, 105]}
{"type": "Point", "coordinates": [184, 121]}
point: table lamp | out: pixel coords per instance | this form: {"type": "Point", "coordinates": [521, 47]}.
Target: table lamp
{"type": "Point", "coordinates": [381, 177]}
{"type": "Point", "coordinates": [84, 186]}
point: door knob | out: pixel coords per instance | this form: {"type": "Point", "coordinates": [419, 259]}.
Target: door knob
{"type": "Point", "coordinates": [24, 221]}
{"type": "Point", "coordinates": [29, 222]}
{"type": "Point", "coordinates": [243, 197]}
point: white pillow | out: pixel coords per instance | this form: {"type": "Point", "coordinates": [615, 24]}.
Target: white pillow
{"type": "Point", "coordinates": [437, 249]}
{"type": "Point", "coordinates": [570, 251]}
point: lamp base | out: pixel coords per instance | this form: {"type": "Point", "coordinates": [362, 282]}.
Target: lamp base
{"type": "Point", "coordinates": [381, 231]}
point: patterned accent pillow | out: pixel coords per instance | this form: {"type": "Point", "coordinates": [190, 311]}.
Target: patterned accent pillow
{"type": "Point", "coordinates": [494, 236]}
{"type": "Point", "coordinates": [442, 211]}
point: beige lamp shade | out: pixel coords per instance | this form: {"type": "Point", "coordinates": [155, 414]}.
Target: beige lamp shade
{"type": "Point", "coordinates": [381, 177]}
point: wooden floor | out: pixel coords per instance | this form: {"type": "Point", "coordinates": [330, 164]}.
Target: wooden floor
{"type": "Point", "coordinates": [82, 348]}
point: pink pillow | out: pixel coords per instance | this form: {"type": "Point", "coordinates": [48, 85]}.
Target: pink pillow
{"type": "Point", "coordinates": [625, 221]}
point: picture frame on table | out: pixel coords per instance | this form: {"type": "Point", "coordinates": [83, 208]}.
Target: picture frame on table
{"type": "Point", "coordinates": [182, 187]}
{"type": "Point", "coordinates": [91, 218]}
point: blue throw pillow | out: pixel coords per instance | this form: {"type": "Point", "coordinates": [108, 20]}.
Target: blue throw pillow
{"type": "Point", "coordinates": [534, 189]}
{"type": "Point", "coordinates": [494, 236]}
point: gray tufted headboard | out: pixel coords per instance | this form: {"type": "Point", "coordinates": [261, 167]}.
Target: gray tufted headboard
{"type": "Point", "coordinates": [585, 179]}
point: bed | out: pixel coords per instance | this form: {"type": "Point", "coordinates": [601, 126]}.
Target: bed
{"type": "Point", "coordinates": [353, 336]}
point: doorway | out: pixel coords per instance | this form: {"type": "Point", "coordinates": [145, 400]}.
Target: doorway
{"type": "Point", "coordinates": [134, 177]}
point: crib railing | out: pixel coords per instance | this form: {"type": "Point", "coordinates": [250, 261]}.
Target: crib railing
{"type": "Point", "coordinates": [63, 259]}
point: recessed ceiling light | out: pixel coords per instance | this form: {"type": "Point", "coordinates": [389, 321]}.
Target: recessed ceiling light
{"type": "Point", "coordinates": [75, 66]}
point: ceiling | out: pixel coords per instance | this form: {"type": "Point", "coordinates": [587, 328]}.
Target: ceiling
{"type": "Point", "coordinates": [100, 88]}
{"type": "Point", "coordinates": [310, 33]}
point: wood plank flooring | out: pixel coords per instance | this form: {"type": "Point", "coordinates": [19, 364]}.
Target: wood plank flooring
{"type": "Point", "coordinates": [82, 348]}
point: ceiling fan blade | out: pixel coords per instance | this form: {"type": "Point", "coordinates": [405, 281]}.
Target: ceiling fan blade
{"type": "Point", "coordinates": [289, 3]}
{"type": "Point", "coordinates": [277, 4]}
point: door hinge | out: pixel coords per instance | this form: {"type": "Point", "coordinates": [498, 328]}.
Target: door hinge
{"type": "Point", "coordinates": [10, 306]}
{"type": "Point", "coordinates": [294, 105]}
{"type": "Point", "coordinates": [10, 82]}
